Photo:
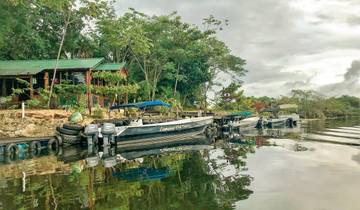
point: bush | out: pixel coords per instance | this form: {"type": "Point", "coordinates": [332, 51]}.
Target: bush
{"type": "Point", "coordinates": [98, 113]}
{"type": "Point", "coordinates": [33, 103]}
{"type": "Point", "coordinates": [5, 102]}
{"type": "Point", "coordinates": [81, 106]}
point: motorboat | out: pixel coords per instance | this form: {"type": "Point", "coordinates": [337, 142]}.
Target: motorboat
{"type": "Point", "coordinates": [137, 135]}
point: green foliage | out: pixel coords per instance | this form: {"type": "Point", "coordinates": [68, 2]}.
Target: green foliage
{"type": "Point", "coordinates": [166, 57]}
{"type": "Point", "coordinates": [109, 77]}
{"type": "Point", "coordinates": [314, 105]}
{"type": "Point", "coordinates": [33, 29]}
{"type": "Point", "coordinates": [71, 96]}
{"type": "Point", "coordinates": [98, 113]}
{"type": "Point", "coordinates": [33, 103]}
{"type": "Point", "coordinates": [5, 101]}
{"type": "Point", "coordinates": [112, 91]}
{"type": "Point", "coordinates": [38, 102]}
{"type": "Point", "coordinates": [114, 85]}
{"type": "Point", "coordinates": [66, 88]}
{"type": "Point", "coordinates": [232, 98]}
{"type": "Point", "coordinates": [81, 105]}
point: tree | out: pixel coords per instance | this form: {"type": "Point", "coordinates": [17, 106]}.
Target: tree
{"type": "Point", "coordinates": [88, 10]}
{"type": "Point", "coordinates": [232, 98]}
{"type": "Point", "coordinates": [114, 85]}
{"type": "Point", "coordinates": [164, 52]}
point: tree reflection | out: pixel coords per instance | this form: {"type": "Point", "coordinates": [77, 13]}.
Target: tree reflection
{"type": "Point", "coordinates": [188, 182]}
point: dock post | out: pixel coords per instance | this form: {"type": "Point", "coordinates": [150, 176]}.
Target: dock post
{"type": "Point", "coordinates": [23, 110]}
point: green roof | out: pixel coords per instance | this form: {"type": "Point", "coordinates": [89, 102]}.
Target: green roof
{"type": "Point", "coordinates": [110, 66]}
{"type": "Point", "coordinates": [31, 67]}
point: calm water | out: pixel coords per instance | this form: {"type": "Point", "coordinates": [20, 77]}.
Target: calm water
{"type": "Point", "coordinates": [283, 172]}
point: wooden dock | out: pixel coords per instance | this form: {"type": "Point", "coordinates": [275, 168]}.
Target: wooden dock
{"type": "Point", "coordinates": [19, 140]}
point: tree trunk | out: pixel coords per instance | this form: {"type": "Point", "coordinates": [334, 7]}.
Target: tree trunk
{"type": "Point", "coordinates": [153, 92]}
{"type": "Point", "coordinates": [147, 80]}
{"type": "Point", "coordinates": [156, 79]}
{"type": "Point", "coordinates": [176, 79]}
{"type": "Point", "coordinates": [58, 57]}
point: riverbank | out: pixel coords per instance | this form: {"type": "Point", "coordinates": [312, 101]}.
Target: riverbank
{"type": "Point", "coordinates": [37, 123]}
{"type": "Point", "coordinates": [43, 122]}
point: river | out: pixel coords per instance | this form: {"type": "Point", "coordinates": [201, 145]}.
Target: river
{"type": "Point", "coordinates": [313, 167]}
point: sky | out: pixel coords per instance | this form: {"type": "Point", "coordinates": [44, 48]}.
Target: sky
{"type": "Point", "coordinates": [287, 44]}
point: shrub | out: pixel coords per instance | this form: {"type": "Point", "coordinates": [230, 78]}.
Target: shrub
{"type": "Point", "coordinates": [98, 113]}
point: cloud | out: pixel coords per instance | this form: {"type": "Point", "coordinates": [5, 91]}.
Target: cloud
{"type": "Point", "coordinates": [349, 86]}
{"type": "Point", "coordinates": [353, 20]}
{"type": "Point", "coordinates": [353, 73]}
{"type": "Point", "coordinates": [285, 42]}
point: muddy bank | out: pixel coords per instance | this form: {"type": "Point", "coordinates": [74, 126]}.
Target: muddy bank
{"type": "Point", "coordinates": [37, 123]}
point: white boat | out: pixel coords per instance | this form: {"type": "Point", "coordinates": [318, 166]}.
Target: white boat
{"type": "Point", "coordinates": [245, 124]}
{"type": "Point", "coordinates": [291, 119]}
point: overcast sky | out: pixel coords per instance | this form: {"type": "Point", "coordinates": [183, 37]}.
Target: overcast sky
{"type": "Point", "coordinates": [287, 44]}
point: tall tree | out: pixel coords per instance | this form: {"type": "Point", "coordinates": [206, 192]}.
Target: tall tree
{"type": "Point", "coordinates": [70, 11]}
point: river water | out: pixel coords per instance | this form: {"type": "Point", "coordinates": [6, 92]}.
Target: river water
{"type": "Point", "coordinates": [315, 166]}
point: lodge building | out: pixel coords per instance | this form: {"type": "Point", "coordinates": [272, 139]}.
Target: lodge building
{"type": "Point", "coordinates": [39, 74]}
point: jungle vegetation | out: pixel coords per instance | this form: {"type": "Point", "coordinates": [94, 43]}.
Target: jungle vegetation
{"type": "Point", "coordinates": [167, 58]}
{"type": "Point", "coordinates": [311, 104]}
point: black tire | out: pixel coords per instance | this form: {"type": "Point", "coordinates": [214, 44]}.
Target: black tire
{"type": "Point", "coordinates": [74, 127]}
{"type": "Point", "coordinates": [34, 153]}
{"type": "Point", "coordinates": [67, 131]}
{"type": "Point", "coordinates": [11, 149]}
{"type": "Point", "coordinates": [35, 145]}
{"type": "Point", "coordinates": [71, 139]}
{"type": "Point", "coordinates": [53, 144]}
{"type": "Point", "coordinates": [60, 139]}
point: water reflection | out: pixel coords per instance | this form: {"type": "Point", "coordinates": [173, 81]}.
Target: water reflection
{"type": "Point", "coordinates": [230, 174]}
{"type": "Point", "coordinates": [171, 178]}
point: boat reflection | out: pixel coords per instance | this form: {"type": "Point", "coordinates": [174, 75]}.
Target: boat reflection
{"type": "Point", "coordinates": [100, 178]}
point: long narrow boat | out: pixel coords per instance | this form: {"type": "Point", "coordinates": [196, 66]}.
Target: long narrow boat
{"type": "Point", "coordinates": [179, 132]}
{"type": "Point", "coordinates": [274, 123]}
{"type": "Point", "coordinates": [246, 124]}
{"type": "Point", "coordinates": [191, 125]}
{"type": "Point", "coordinates": [140, 136]}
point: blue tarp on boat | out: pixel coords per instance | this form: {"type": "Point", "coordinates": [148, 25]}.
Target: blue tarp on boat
{"type": "Point", "coordinates": [141, 105]}
{"type": "Point", "coordinates": [142, 174]}
{"type": "Point", "coordinates": [243, 114]}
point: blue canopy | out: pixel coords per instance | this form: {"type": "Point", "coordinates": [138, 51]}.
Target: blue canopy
{"type": "Point", "coordinates": [142, 174]}
{"type": "Point", "coordinates": [243, 114]}
{"type": "Point", "coordinates": [141, 105]}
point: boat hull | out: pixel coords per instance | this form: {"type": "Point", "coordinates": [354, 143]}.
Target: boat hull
{"type": "Point", "coordinates": [247, 124]}
{"type": "Point", "coordinates": [161, 142]}
{"type": "Point", "coordinates": [276, 123]}
{"type": "Point", "coordinates": [164, 134]}
{"type": "Point", "coordinates": [164, 128]}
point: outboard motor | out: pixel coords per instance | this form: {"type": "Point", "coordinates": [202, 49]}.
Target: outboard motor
{"type": "Point", "coordinates": [92, 161]}
{"type": "Point", "coordinates": [92, 134]}
{"type": "Point", "coordinates": [108, 131]}
{"type": "Point", "coordinates": [260, 123]}
{"type": "Point", "coordinates": [290, 122]}
{"type": "Point", "coordinates": [109, 162]}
